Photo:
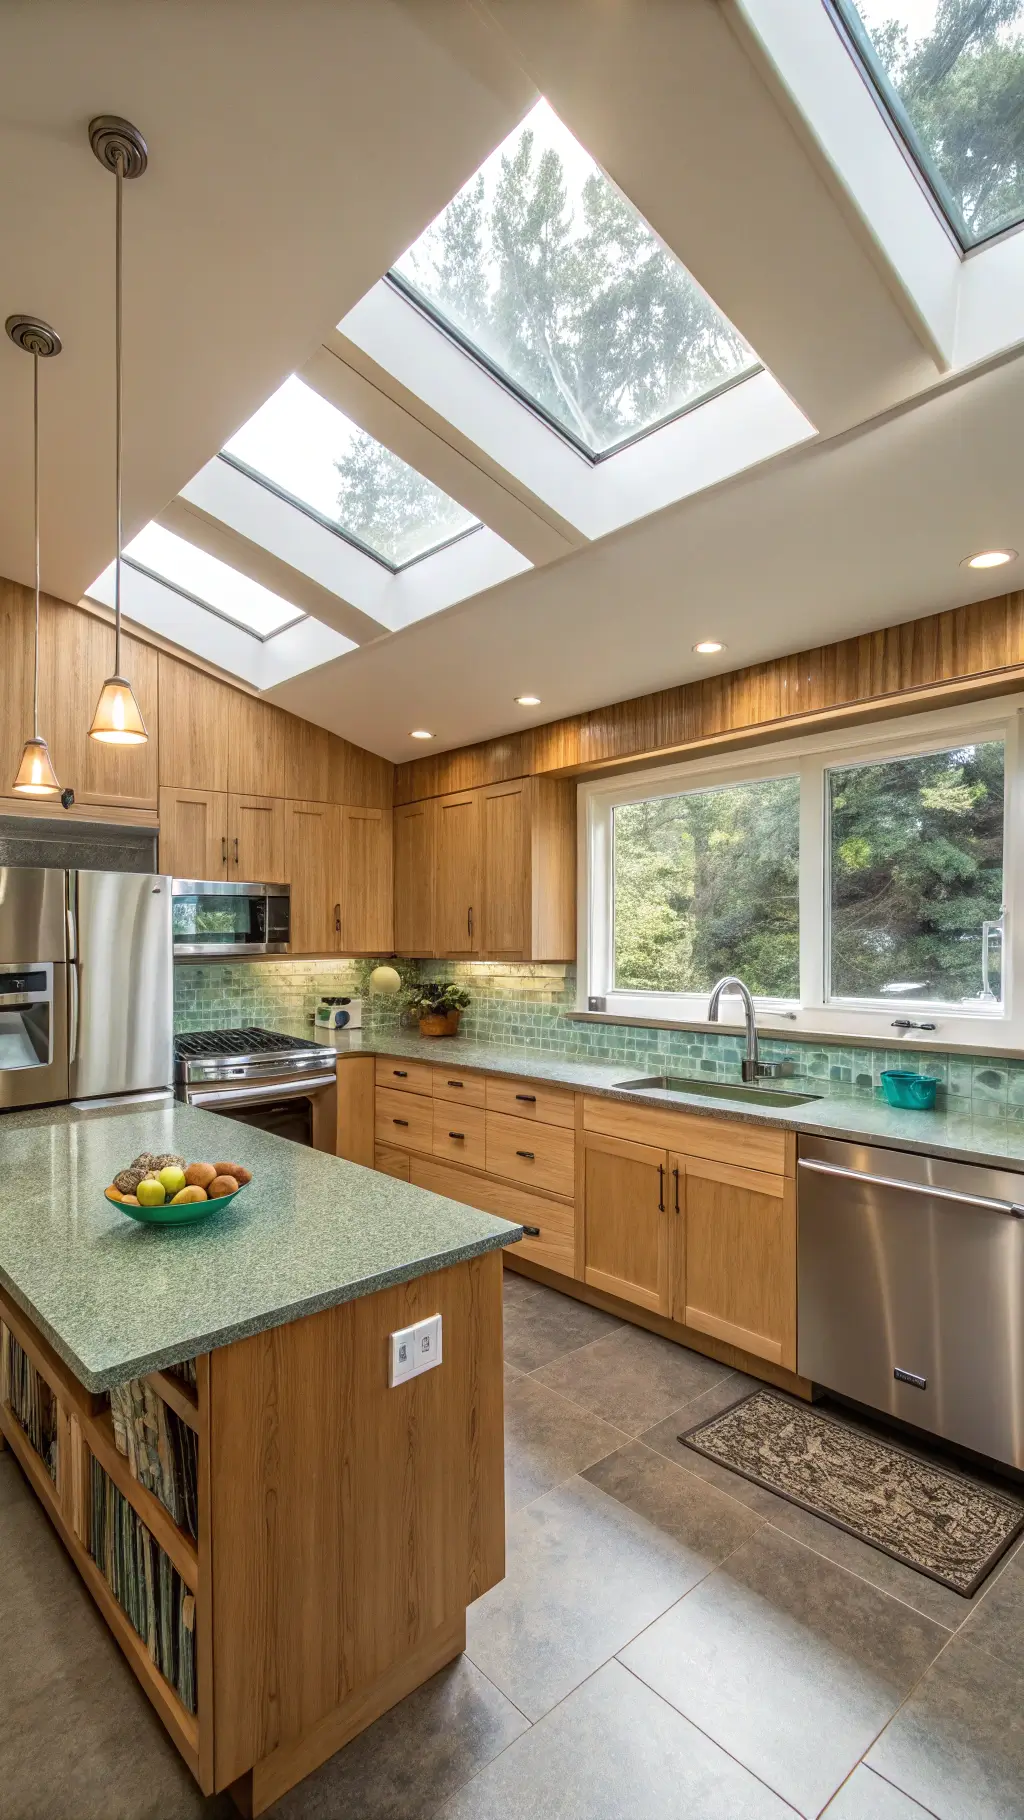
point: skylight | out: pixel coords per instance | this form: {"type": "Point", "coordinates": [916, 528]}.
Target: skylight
{"type": "Point", "coordinates": [551, 277]}
{"type": "Point", "coordinates": [309, 450]}
{"type": "Point", "coordinates": [210, 582]}
{"type": "Point", "coordinates": [951, 74]}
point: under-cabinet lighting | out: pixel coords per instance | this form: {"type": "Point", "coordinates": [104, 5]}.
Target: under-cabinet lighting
{"type": "Point", "coordinates": [988, 559]}
{"type": "Point", "coordinates": [708, 647]}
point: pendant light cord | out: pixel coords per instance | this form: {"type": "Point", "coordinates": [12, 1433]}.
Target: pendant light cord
{"type": "Point", "coordinates": [35, 518]}
{"type": "Point", "coordinates": [117, 429]}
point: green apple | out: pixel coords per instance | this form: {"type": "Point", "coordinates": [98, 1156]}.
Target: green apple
{"type": "Point", "coordinates": [151, 1194]}
{"type": "Point", "coordinates": [172, 1178]}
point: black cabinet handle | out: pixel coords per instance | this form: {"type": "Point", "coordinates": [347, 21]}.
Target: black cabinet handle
{"type": "Point", "coordinates": [675, 1172]}
{"type": "Point", "coordinates": [528, 1154]}
{"type": "Point", "coordinates": [532, 1232]}
{"type": "Point", "coordinates": [530, 1098]}
{"type": "Point", "coordinates": [456, 1083]}
{"type": "Point", "coordinates": [661, 1187]}
{"type": "Point", "coordinates": [337, 919]}
{"type": "Point", "coordinates": [236, 849]}
{"type": "Point", "coordinates": [461, 1135]}
{"type": "Point", "coordinates": [469, 923]}
{"type": "Point", "coordinates": [400, 1074]}
{"type": "Point", "coordinates": [399, 1121]}
{"type": "Point", "coordinates": [224, 848]}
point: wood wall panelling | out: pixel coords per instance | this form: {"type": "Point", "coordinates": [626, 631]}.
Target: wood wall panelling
{"type": "Point", "coordinates": [196, 727]}
{"type": "Point", "coordinates": [76, 656]}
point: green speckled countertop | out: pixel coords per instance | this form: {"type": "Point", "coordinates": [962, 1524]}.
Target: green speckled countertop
{"type": "Point", "coordinates": [997, 1141]}
{"type": "Point", "coordinates": [116, 1298]}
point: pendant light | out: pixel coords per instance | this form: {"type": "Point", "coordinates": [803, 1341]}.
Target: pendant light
{"type": "Point", "coordinates": [36, 776]}
{"type": "Point", "coordinates": [120, 148]}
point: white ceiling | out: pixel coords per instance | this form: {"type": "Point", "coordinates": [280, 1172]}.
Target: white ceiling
{"type": "Point", "coordinates": [296, 150]}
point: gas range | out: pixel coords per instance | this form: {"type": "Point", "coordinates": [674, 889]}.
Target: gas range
{"type": "Point", "coordinates": [241, 1055]}
{"type": "Point", "coordinates": [286, 1085]}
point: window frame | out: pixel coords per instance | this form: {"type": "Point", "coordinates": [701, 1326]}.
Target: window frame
{"type": "Point", "coordinates": [199, 600]}
{"type": "Point", "coordinates": [811, 758]}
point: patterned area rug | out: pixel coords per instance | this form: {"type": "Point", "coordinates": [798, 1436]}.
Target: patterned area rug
{"type": "Point", "coordinates": [940, 1522]}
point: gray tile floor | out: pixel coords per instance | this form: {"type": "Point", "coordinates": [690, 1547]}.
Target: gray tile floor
{"type": "Point", "coordinates": [669, 1643]}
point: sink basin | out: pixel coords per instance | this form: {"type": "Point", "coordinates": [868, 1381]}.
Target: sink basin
{"type": "Point", "coordinates": [775, 1097]}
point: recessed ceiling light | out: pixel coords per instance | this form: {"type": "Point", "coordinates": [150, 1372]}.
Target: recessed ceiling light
{"type": "Point", "coordinates": [708, 647]}
{"type": "Point", "coordinates": [528, 701]}
{"type": "Point", "coordinates": [988, 559]}
{"type": "Point", "coordinates": [420, 733]}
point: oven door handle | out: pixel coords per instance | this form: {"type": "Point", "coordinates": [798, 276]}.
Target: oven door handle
{"type": "Point", "coordinates": [1012, 1209]}
{"type": "Point", "coordinates": [260, 1090]}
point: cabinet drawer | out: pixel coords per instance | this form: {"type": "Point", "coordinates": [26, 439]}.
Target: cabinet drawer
{"type": "Point", "coordinates": [459, 1133]}
{"type": "Point", "coordinates": [552, 1242]}
{"type": "Point", "coordinates": [450, 1084]}
{"type": "Point", "coordinates": [540, 1156]}
{"type": "Point", "coordinates": [531, 1100]}
{"type": "Point", "coordinates": [405, 1077]}
{"type": "Point", "coordinates": [391, 1162]}
{"type": "Point", "coordinates": [725, 1140]}
{"type": "Point", "coordinates": [405, 1119]}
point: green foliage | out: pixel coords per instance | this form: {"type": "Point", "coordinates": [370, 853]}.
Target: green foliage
{"type": "Point", "coordinates": [707, 884]}
{"type": "Point", "coordinates": [389, 506]}
{"type": "Point", "coordinates": [963, 89]}
{"type": "Point", "coordinates": [431, 997]}
{"type": "Point", "coordinates": [917, 866]}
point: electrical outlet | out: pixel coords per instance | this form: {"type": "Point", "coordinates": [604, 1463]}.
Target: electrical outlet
{"type": "Point", "coordinates": [414, 1349]}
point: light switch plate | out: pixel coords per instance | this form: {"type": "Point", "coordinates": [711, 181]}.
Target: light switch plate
{"type": "Point", "coordinates": [414, 1350]}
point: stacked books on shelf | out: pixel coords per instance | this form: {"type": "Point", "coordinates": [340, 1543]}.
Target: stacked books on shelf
{"type": "Point", "coordinates": [161, 1450]}
{"type": "Point", "coordinates": [147, 1587]}
{"type": "Point", "coordinates": [32, 1401]}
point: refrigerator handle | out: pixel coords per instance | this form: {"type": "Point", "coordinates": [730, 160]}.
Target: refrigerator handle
{"type": "Point", "coordinates": [73, 1012]}
{"type": "Point", "coordinates": [69, 915]}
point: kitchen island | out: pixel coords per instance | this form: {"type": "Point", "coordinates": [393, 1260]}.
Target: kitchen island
{"type": "Point", "coordinates": [341, 1526]}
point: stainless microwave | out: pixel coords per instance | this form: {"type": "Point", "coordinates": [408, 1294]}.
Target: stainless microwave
{"type": "Point", "coordinates": [225, 917]}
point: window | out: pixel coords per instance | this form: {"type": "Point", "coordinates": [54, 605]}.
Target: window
{"type": "Point", "coordinates": [915, 872]}
{"type": "Point", "coordinates": [545, 272]}
{"type": "Point", "coordinates": [210, 583]}
{"type": "Point", "coordinates": [308, 450]}
{"type": "Point", "coordinates": [707, 884]}
{"type": "Point", "coordinates": [951, 74]}
{"type": "Point", "coordinates": [850, 880]}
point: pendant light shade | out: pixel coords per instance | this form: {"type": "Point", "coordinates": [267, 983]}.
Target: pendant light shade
{"type": "Point", "coordinates": [36, 775]}
{"type": "Point", "coordinates": [120, 148]}
{"type": "Point", "coordinates": [117, 720]}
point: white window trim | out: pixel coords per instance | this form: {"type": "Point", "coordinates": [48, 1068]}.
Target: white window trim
{"type": "Point", "coordinates": [809, 758]}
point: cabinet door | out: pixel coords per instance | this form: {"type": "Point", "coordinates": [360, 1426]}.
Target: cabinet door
{"type": "Point", "coordinates": [312, 868]}
{"type": "Point", "coordinates": [258, 748]}
{"type": "Point", "coordinates": [738, 1282]}
{"type": "Point", "coordinates": [305, 770]}
{"type": "Point", "coordinates": [415, 860]}
{"type": "Point", "coordinates": [626, 1213]}
{"type": "Point", "coordinates": [366, 882]}
{"type": "Point", "coordinates": [505, 881]}
{"type": "Point", "coordinates": [256, 844]}
{"type": "Point", "coordinates": [194, 833]}
{"type": "Point", "coordinates": [196, 726]}
{"type": "Point", "coordinates": [457, 875]}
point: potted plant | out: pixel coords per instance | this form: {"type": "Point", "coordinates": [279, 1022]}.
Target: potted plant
{"type": "Point", "coordinates": [438, 1005]}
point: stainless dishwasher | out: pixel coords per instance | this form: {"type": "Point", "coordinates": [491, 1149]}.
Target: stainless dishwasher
{"type": "Point", "coordinates": [911, 1289]}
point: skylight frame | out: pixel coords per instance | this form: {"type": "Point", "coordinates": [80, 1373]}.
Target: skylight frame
{"type": "Point", "coordinates": [197, 600]}
{"type": "Point", "coordinates": [338, 530]}
{"type": "Point", "coordinates": [593, 458]}
{"type": "Point", "coordinates": [856, 39]}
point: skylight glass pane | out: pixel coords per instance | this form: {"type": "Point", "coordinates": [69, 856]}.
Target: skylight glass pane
{"type": "Point", "coordinates": [211, 581]}
{"type": "Point", "coordinates": [551, 274]}
{"type": "Point", "coordinates": [952, 73]}
{"type": "Point", "coordinates": [312, 451]}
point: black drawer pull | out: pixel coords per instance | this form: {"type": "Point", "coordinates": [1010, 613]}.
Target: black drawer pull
{"type": "Point", "coordinates": [399, 1121]}
{"type": "Point", "coordinates": [532, 1232]}
{"type": "Point", "coordinates": [528, 1154]}
{"type": "Point", "coordinates": [530, 1098]}
{"type": "Point", "coordinates": [456, 1083]}
{"type": "Point", "coordinates": [461, 1135]}
{"type": "Point", "coordinates": [400, 1074]}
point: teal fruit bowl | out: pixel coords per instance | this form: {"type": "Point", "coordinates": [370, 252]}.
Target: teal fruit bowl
{"type": "Point", "coordinates": [186, 1213]}
{"type": "Point", "coordinates": [913, 1092]}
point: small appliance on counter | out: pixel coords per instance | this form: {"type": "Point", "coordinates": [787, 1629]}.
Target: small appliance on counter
{"type": "Point", "coordinates": [225, 917]}
{"type": "Point", "coordinates": [339, 1014]}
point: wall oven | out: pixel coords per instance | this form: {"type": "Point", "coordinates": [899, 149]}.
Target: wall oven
{"type": "Point", "coordinates": [226, 917]}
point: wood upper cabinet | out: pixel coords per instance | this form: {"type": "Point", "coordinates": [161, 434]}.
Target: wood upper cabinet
{"type": "Point", "coordinates": [194, 833]}
{"type": "Point", "coordinates": [629, 1236]}
{"type": "Point", "coordinates": [312, 867]}
{"type": "Point", "coordinates": [415, 861]}
{"type": "Point", "coordinates": [738, 1280]}
{"type": "Point", "coordinates": [258, 751]}
{"type": "Point", "coordinates": [198, 724]}
{"type": "Point", "coordinates": [366, 890]}
{"type": "Point", "coordinates": [256, 839]}
{"type": "Point", "coordinates": [505, 887]}
{"type": "Point", "coordinates": [457, 874]}
{"type": "Point", "coordinates": [305, 761]}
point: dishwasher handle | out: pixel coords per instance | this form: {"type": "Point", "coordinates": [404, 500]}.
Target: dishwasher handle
{"type": "Point", "coordinates": [1012, 1209]}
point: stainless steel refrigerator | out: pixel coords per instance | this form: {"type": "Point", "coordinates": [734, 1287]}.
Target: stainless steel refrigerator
{"type": "Point", "coordinates": [86, 984]}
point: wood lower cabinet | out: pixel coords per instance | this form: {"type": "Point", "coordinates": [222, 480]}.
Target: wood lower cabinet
{"type": "Point", "coordinates": [415, 861]}
{"type": "Point", "coordinates": [457, 875]}
{"type": "Point", "coordinates": [628, 1233]}
{"type": "Point", "coordinates": [739, 1278]}
{"type": "Point", "coordinates": [194, 833]}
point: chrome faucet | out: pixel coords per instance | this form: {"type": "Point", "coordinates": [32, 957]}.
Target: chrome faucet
{"type": "Point", "coordinates": [752, 1069]}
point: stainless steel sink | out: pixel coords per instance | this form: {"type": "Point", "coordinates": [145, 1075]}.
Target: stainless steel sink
{"type": "Point", "coordinates": [774, 1097]}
